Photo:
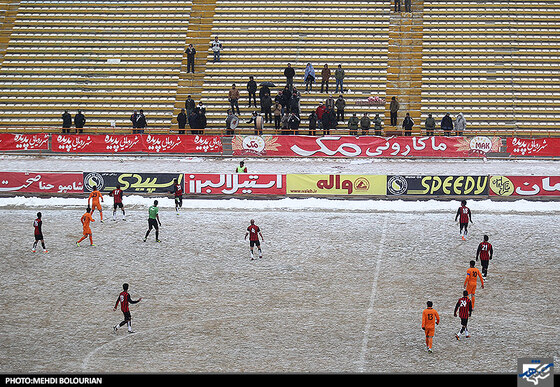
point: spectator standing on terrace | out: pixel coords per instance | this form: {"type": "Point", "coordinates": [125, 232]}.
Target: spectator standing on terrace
{"type": "Point", "coordinates": [325, 76]}
{"type": "Point", "coordinates": [277, 115]}
{"type": "Point", "coordinates": [293, 123]}
{"type": "Point", "coordinates": [339, 78]}
{"type": "Point", "coordinates": [182, 121]}
{"type": "Point", "coordinates": [252, 90]}
{"type": "Point", "coordinates": [134, 120]}
{"type": "Point", "coordinates": [266, 106]}
{"type": "Point", "coordinates": [394, 107]}
{"type": "Point", "coordinates": [233, 98]}
{"type": "Point", "coordinates": [79, 121]}
{"type": "Point", "coordinates": [377, 125]}
{"type": "Point", "coordinates": [447, 124]}
{"type": "Point", "coordinates": [330, 102]}
{"type": "Point", "coordinates": [329, 121]}
{"type": "Point", "coordinates": [407, 125]}
{"type": "Point", "coordinates": [216, 46]}
{"type": "Point", "coordinates": [191, 51]}
{"type": "Point", "coordinates": [340, 105]}
{"type": "Point", "coordinates": [365, 124]}
{"type": "Point", "coordinates": [430, 125]}
{"type": "Point", "coordinates": [320, 111]}
{"type": "Point", "coordinates": [190, 105]}
{"type": "Point", "coordinates": [289, 73]}
{"type": "Point", "coordinates": [230, 122]}
{"type": "Point", "coordinates": [66, 122]}
{"type": "Point", "coordinates": [309, 77]}
{"type": "Point", "coordinates": [460, 124]}
{"type": "Point", "coordinates": [397, 5]}
{"type": "Point", "coordinates": [201, 119]}
{"type": "Point", "coordinates": [312, 123]}
{"type": "Point", "coordinates": [141, 122]}
{"type": "Point", "coordinates": [294, 102]}
{"type": "Point", "coordinates": [353, 124]}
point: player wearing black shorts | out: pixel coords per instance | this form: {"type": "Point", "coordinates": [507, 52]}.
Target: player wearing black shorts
{"type": "Point", "coordinates": [253, 231]}
{"type": "Point", "coordinates": [38, 225]}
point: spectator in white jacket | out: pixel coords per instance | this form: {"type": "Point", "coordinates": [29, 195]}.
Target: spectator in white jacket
{"type": "Point", "coordinates": [460, 124]}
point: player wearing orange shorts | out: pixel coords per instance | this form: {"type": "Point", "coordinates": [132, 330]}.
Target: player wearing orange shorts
{"type": "Point", "coordinates": [94, 198]}
{"type": "Point", "coordinates": [86, 219]}
{"type": "Point", "coordinates": [430, 318]}
{"type": "Point", "coordinates": [471, 281]}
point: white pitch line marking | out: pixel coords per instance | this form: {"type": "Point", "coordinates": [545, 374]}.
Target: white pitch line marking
{"type": "Point", "coordinates": [369, 313]}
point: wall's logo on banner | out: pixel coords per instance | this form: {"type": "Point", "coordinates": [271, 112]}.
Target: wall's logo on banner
{"type": "Point", "coordinates": [254, 145]}
{"type": "Point", "coordinates": [397, 185]}
{"type": "Point", "coordinates": [93, 179]}
{"type": "Point", "coordinates": [535, 372]}
{"type": "Point", "coordinates": [501, 185]}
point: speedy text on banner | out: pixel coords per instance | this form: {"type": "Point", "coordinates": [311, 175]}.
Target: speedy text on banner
{"type": "Point", "coordinates": [298, 184]}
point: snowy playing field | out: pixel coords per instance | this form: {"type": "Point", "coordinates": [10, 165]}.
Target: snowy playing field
{"type": "Point", "coordinates": [340, 288]}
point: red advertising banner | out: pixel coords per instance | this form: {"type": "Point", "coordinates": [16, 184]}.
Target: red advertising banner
{"type": "Point", "coordinates": [135, 143]}
{"type": "Point", "coordinates": [235, 184]}
{"type": "Point", "coordinates": [533, 147]}
{"type": "Point", "coordinates": [26, 142]}
{"type": "Point", "coordinates": [36, 182]}
{"type": "Point", "coordinates": [524, 186]}
{"type": "Point", "coordinates": [364, 146]}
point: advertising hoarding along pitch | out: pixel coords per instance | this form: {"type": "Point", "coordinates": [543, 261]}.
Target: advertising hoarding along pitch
{"type": "Point", "coordinates": [317, 185]}
{"type": "Point", "coordinates": [135, 143]}
{"type": "Point", "coordinates": [437, 185]}
{"type": "Point", "coordinates": [235, 184]}
{"type": "Point", "coordinates": [524, 186]}
{"type": "Point", "coordinates": [131, 182]}
{"type": "Point", "coordinates": [364, 146]}
{"type": "Point", "coordinates": [39, 182]}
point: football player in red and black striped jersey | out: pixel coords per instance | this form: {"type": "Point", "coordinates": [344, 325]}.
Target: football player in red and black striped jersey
{"type": "Point", "coordinates": [38, 224]}
{"type": "Point", "coordinates": [125, 300]}
{"type": "Point", "coordinates": [485, 252]}
{"type": "Point", "coordinates": [464, 306]}
{"type": "Point", "coordinates": [117, 195]}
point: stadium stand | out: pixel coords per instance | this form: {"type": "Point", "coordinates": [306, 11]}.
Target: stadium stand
{"type": "Point", "coordinates": [496, 62]}
{"type": "Point", "coordinates": [105, 58]}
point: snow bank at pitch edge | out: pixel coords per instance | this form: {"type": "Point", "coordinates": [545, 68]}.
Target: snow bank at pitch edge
{"type": "Point", "coordinates": [293, 204]}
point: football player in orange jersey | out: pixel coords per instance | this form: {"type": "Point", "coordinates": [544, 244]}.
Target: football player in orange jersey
{"type": "Point", "coordinates": [86, 219]}
{"type": "Point", "coordinates": [430, 318]}
{"type": "Point", "coordinates": [471, 280]}
{"type": "Point", "coordinates": [94, 197]}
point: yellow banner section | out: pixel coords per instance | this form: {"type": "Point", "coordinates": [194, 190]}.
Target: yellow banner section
{"type": "Point", "coordinates": [336, 184]}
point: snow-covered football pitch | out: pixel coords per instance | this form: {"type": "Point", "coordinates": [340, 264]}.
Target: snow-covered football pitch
{"type": "Point", "coordinates": [340, 288]}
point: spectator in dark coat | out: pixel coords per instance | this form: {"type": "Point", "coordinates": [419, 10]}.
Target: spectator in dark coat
{"type": "Point", "coordinates": [252, 90]}
{"type": "Point", "coordinates": [141, 122]}
{"type": "Point", "coordinates": [289, 73]}
{"type": "Point", "coordinates": [189, 105]}
{"type": "Point", "coordinates": [340, 104]}
{"type": "Point", "coordinates": [191, 51]}
{"type": "Point", "coordinates": [365, 124]}
{"type": "Point", "coordinates": [134, 120]}
{"type": "Point", "coordinates": [79, 121]}
{"type": "Point", "coordinates": [266, 106]}
{"type": "Point", "coordinates": [182, 121]}
{"type": "Point", "coordinates": [66, 122]}
{"type": "Point", "coordinates": [430, 125]}
{"type": "Point", "coordinates": [447, 124]}
{"type": "Point", "coordinates": [329, 121]}
{"type": "Point", "coordinates": [407, 125]}
{"type": "Point", "coordinates": [313, 124]}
